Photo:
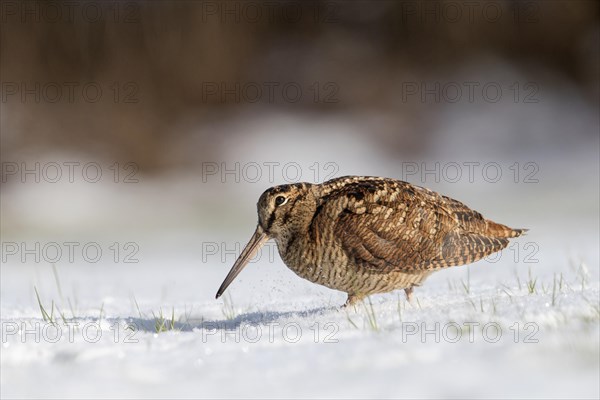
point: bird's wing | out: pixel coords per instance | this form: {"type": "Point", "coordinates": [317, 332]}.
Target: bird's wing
{"type": "Point", "coordinates": [388, 225]}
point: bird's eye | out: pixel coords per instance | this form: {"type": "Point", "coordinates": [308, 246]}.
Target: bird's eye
{"type": "Point", "coordinates": [279, 200]}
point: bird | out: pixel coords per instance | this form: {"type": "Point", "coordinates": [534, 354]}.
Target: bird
{"type": "Point", "coordinates": [365, 235]}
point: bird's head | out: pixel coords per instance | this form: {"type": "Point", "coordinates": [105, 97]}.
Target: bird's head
{"type": "Point", "coordinates": [283, 211]}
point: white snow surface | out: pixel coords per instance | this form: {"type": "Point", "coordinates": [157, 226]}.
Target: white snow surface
{"type": "Point", "coordinates": [284, 337]}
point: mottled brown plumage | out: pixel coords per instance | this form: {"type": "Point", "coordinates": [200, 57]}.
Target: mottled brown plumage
{"type": "Point", "coordinates": [366, 235]}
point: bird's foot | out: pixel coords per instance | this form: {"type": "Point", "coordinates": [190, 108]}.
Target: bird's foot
{"type": "Point", "coordinates": [353, 299]}
{"type": "Point", "coordinates": [409, 291]}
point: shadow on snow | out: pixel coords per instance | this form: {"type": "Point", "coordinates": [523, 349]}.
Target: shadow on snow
{"type": "Point", "coordinates": [251, 318]}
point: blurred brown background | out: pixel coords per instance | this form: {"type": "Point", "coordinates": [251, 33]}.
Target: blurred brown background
{"type": "Point", "coordinates": [156, 63]}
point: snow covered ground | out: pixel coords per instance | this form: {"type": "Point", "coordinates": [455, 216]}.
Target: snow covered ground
{"type": "Point", "coordinates": [482, 333]}
{"type": "Point", "coordinates": [140, 320]}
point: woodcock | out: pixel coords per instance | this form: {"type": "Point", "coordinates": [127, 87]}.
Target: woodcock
{"type": "Point", "coordinates": [365, 235]}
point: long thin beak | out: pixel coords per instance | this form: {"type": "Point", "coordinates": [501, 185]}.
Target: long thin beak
{"type": "Point", "coordinates": [256, 242]}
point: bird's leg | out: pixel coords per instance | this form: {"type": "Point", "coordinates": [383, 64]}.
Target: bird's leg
{"type": "Point", "coordinates": [353, 299]}
{"type": "Point", "coordinates": [408, 292]}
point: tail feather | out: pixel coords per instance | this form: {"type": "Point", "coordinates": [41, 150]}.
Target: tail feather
{"type": "Point", "coordinates": [465, 248]}
{"type": "Point", "coordinates": [495, 229]}
{"type": "Point", "coordinates": [460, 249]}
